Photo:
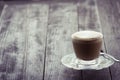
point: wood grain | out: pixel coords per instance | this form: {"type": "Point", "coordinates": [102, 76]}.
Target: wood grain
{"type": "Point", "coordinates": [36, 26]}
{"type": "Point", "coordinates": [39, 0]}
{"type": "Point", "coordinates": [89, 20]}
{"type": "Point", "coordinates": [23, 41]}
{"type": "Point", "coordinates": [61, 24]}
{"type": "Point", "coordinates": [11, 44]}
{"type": "Point", "coordinates": [34, 38]}
{"type": "Point", "coordinates": [1, 6]}
{"type": "Point", "coordinates": [110, 19]}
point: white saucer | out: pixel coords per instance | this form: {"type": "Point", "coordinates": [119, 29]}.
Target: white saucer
{"type": "Point", "coordinates": [103, 62]}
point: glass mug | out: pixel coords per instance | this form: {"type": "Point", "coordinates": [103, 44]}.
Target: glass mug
{"type": "Point", "coordinates": [87, 45]}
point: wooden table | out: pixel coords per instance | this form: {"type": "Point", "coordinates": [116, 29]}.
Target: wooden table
{"type": "Point", "coordinates": [35, 36]}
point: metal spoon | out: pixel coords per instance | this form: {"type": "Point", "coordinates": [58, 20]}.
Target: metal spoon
{"type": "Point", "coordinates": [107, 55]}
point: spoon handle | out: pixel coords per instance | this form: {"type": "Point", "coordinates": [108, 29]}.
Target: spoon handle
{"type": "Point", "coordinates": [113, 58]}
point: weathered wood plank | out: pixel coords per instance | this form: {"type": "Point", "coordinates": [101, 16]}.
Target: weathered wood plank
{"type": "Point", "coordinates": [22, 39]}
{"type": "Point", "coordinates": [61, 24]}
{"type": "Point", "coordinates": [89, 20]}
{"type": "Point", "coordinates": [110, 19]}
{"type": "Point", "coordinates": [36, 32]}
{"type": "Point", "coordinates": [11, 44]}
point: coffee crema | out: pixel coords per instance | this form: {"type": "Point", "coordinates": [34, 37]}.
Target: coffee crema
{"type": "Point", "coordinates": [87, 44]}
{"type": "Point", "coordinates": [87, 35]}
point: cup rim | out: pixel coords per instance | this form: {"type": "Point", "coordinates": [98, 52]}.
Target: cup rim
{"type": "Point", "coordinates": [101, 35]}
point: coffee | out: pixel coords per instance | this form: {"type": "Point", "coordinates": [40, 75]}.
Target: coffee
{"type": "Point", "coordinates": [87, 44]}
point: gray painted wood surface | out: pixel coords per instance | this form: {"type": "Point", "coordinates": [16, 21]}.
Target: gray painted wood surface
{"type": "Point", "coordinates": [62, 23]}
{"type": "Point", "coordinates": [35, 36]}
{"type": "Point", "coordinates": [110, 19]}
{"type": "Point", "coordinates": [23, 41]}
{"type": "Point", "coordinates": [11, 45]}
{"type": "Point", "coordinates": [89, 20]}
{"type": "Point", "coordinates": [1, 6]}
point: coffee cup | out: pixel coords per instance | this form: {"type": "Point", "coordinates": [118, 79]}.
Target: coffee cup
{"type": "Point", "coordinates": [87, 45]}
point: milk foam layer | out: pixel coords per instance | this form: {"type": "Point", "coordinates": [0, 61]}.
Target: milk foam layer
{"type": "Point", "coordinates": [87, 35]}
